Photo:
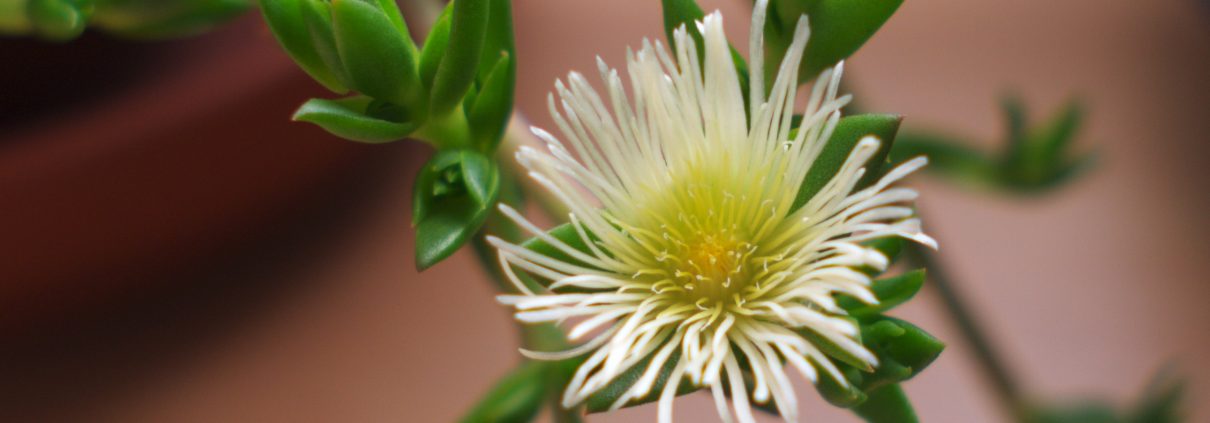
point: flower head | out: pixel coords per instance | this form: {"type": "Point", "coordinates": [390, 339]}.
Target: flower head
{"type": "Point", "coordinates": [694, 252]}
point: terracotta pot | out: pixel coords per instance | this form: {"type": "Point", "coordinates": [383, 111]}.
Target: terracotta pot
{"type": "Point", "coordinates": [129, 165]}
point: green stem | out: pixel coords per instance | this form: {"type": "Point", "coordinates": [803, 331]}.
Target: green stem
{"type": "Point", "coordinates": [1002, 381]}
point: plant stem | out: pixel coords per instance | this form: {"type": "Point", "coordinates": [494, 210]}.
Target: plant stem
{"type": "Point", "coordinates": [993, 367]}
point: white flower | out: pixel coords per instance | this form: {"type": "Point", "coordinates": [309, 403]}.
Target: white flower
{"type": "Point", "coordinates": [695, 254]}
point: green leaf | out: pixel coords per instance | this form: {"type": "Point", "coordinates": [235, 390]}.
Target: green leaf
{"type": "Point", "coordinates": [890, 292]}
{"type": "Point", "coordinates": [568, 235]}
{"type": "Point", "coordinates": [58, 20]}
{"type": "Point", "coordinates": [489, 114]}
{"type": "Point", "coordinates": [840, 394]}
{"type": "Point", "coordinates": [888, 404]}
{"type": "Point", "coordinates": [286, 21]}
{"type": "Point", "coordinates": [468, 24]}
{"type": "Point", "coordinates": [453, 196]}
{"type": "Point", "coordinates": [947, 156]}
{"type": "Point", "coordinates": [838, 29]}
{"type": "Point", "coordinates": [347, 119]}
{"type": "Point", "coordinates": [378, 59]}
{"type": "Point", "coordinates": [498, 40]}
{"type": "Point", "coordinates": [848, 132]}
{"type": "Point", "coordinates": [481, 177]}
{"type": "Point", "coordinates": [434, 47]}
{"type": "Point", "coordinates": [903, 350]}
{"type": "Point", "coordinates": [516, 398]}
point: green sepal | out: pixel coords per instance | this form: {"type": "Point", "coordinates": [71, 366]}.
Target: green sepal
{"type": "Point", "coordinates": [59, 20]}
{"type": "Point", "coordinates": [159, 19]}
{"type": "Point", "coordinates": [848, 132]}
{"type": "Point", "coordinates": [377, 58]}
{"type": "Point", "coordinates": [488, 116]}
{"type": "Point", "coordinates": [568, 235]}
{"type": "Point", "coordinates": [890, 292]}
{"type": "Point", "coordinates": [351, 118]}
{"type": "Point", "coordinates": [453, 196]}
{"type": "Point", "coordinates": [459, 64]}
{"type": "Point", "coordinates": [840, 393]}
{"type": "Point", "coordinates": [888, 404]}
{"type": "Point", "coordinates": [517, 397]}
{"type": "Point", "coordinates": [288, 24]}
{"type": "Point", "coordinates": [604, 398]}
{"type": "Point", "coordinates": [890, 247]}
{"type": "Point", "coordinates": [838, 29]}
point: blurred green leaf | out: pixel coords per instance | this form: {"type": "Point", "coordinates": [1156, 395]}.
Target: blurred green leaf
{"type": "Point", "coordinates": [348, 118]}
{"type": "Point", "coordinates": [459, 64]}
{"type": "Point", "coordinates": [838, 29]}
{"type": "Point", "coordinates": [453, 195]}
{"type": "Point", "coordinates": [286, 20]}
{"type": "Point", "coordinates": [888, 404]}
{"type": "Point", "coordinates": [156, 19]}
{"type": "Point", "coordinates": [890, 292]}
{"type": "Point", "coordinates": [516, 398]}
{"type": "Point", "coordinates": [378, 59]}
{"type": "Point", "coordinates": [1034, 159]}
{"type": "Point", "coordinates": [59, 20]}
{"type": "Point", "coordinates": [848, 132]}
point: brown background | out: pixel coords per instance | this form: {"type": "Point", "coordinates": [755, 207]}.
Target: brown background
{"type": "Point", "coordinates": [1087, 291]}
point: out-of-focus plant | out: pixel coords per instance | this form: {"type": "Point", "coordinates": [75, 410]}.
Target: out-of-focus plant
{"type": "Point", "coordinates": [63, 20]}
{"type": "Point", "coordinates": [1034, 159]}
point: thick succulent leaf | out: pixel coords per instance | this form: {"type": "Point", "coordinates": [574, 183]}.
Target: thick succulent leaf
{"type": "Point", "coordinates": [453, 196]}
{"type": "Point", "coordinates": [838, 29]}
{"type": "Point", "coordinates": [498, 40]}
{"type": "Point", "coordinates": [848, 132]}
{"type": "Point", "coordinates": [568, 235]}
{"type": "Point", "coordinates": [518, 397]}
{"type": "Point", "coordinates": [459, 64]}
{"type": "Point", "coordinates": [888, 404]}
{"type": "Point", "coordinates": [493, 105]}
{"type": "Point", "coordinates": [903, 350]}
{"type": "Point", "coordinates": [434, 47]}
{"type": "Point", "coordinates": [347, 118]}
{"type": "Point", "coordinates": [377, 58]}
{"type": "Point", "coordinates": [285, 19]}
{"type": "Point", "coordinates": [890, 292]}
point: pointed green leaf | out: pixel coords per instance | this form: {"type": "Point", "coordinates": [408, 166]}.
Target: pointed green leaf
{"type": "Point", "coordinates": [838, 29]}
{"type": "Point", "coordinates": [493, 105]}
{"type": "Point", "coordinates": [848, 132]}
{"type": "Point", "coordinates": [468, 24]}
{"type": "Point", "coordinates": [888, 404]}
{"type": "Point", "coordinates": [903, 350]}
{"type": "Point", "coordinates": [516, 398]}
{"type": "Point", "coordinates": [378, 59]}
{"type": "Point", "coordinates": [890, 292]}
{"type": "Point", "coordinates": [481, 176]}
{"type": "Point", "coordinates": [159, 19]}
{"type": "Point", "coordinates": [285, 19]}
{"type": "Point", "coordinates": [454, 194]}
{"type": "Point", "coordinates": [434, 47]}
{"type": "Point", "coordinates": [347, 118]}
{"type": "Point", "coordinates": [498, 40]}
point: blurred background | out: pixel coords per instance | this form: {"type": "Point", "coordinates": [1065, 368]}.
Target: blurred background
{"type": "Point", "coordinates": [173, 248]}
